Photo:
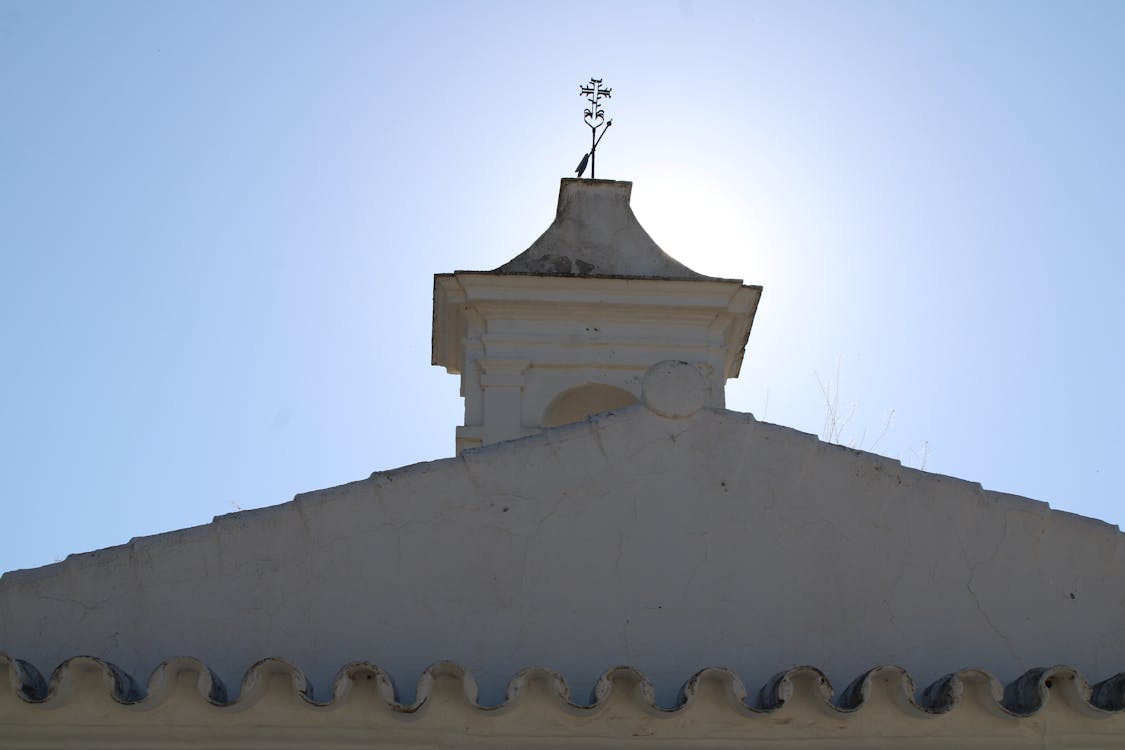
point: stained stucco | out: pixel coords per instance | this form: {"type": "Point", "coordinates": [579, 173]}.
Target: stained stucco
{"type": "Point", "coordinates": [595, 233]}
{"type": "Point", "coordinates": [669, 544]}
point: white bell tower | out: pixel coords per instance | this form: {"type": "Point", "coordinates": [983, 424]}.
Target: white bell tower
{"type": "Point", "coordinates": [568, 328]}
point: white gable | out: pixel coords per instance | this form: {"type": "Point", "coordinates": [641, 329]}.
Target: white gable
{"type": "Point", "coordinates": [669, 544]}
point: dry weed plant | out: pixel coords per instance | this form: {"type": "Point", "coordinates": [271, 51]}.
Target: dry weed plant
{"type": "Point", "coordinates": [836, 422]}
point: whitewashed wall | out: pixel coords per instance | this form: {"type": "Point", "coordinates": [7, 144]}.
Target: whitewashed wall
{"type": "Point", "coordinates": [666, 544]}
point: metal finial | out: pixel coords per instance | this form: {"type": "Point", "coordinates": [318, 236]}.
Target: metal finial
{"type": "Point", "coordinates": [594, 116]}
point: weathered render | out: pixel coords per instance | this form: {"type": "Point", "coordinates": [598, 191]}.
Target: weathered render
{"type": "Point", "coordinates": [669, 544]}
{"type": "Point", "coordinates": [595, 233]}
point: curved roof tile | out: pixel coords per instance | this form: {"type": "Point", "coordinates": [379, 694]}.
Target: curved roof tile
{"type": "Point", "coordinates": [1023, 697]}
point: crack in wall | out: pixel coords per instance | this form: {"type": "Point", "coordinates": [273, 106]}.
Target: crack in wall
{"type": "Point", "coordinates": [972, 567]}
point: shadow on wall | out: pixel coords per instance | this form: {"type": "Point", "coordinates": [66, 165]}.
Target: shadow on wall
{"type": "Point", "coordinates": [576, 404]}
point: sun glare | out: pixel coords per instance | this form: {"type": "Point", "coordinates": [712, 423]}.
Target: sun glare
{"type": "Point", "coordinates": [701, 227]}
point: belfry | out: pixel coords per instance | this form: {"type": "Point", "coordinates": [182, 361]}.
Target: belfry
{"type": "Point", "coordinates": [568, 327]}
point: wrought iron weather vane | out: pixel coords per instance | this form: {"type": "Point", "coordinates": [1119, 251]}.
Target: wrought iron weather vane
{"type": "Point", "coordinates": [595, 120]}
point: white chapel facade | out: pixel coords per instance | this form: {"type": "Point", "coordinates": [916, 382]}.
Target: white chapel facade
{"type": "Point", "coordinates": [612, 558]}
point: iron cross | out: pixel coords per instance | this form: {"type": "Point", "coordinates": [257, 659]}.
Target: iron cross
{"type": "Point", "coordinates": [594, 116]}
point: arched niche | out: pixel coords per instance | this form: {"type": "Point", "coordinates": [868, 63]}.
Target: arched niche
{"type": "Point", "coordinates": [575, 404]}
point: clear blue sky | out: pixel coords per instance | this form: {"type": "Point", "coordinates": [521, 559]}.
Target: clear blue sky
{"type": "Point", "coordinates": [219, 224]}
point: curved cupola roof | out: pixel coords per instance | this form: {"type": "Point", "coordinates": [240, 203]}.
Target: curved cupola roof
{"type": "Point", "coordinates": [595, 233]}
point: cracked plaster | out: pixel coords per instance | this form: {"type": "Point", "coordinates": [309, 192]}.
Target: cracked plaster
{"type": "Point", "coordinates": [667, 544]}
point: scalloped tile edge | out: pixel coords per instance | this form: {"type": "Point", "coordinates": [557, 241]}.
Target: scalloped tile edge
{"type": "Point", "coordinates": [1024, 696]}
